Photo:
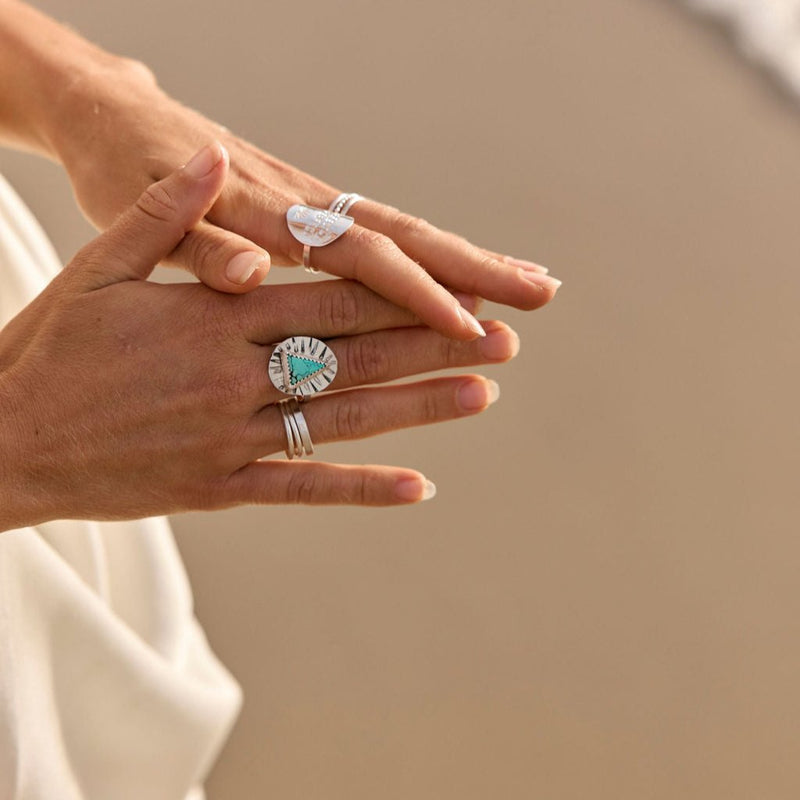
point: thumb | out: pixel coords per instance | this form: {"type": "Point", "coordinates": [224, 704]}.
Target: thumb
{"type": "Point", "coordinates": [150, 229]}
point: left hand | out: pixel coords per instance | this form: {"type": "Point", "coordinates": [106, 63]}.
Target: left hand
{"type": "Point", "coordinates": [113, 407]}
{"type": "Point", "coordinates": [116, 133]}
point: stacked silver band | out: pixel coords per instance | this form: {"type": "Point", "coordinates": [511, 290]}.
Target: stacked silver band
{"type": "Point", "coordinates": [298, 439]}
{"type": "Point", "coordinates": [344, 202]}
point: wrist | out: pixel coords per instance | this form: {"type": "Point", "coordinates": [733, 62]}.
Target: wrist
{"type": "Point", "coordinates": [54, 80]}
{"type": "Point", "coordinates": [86, 114]}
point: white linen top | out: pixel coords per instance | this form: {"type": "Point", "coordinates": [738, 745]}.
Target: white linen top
{"type": "Point", "coordinates": [108, 688]}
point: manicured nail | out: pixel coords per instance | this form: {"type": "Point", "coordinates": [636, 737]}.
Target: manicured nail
{"type": "Point", "coordinates": [470, 323]}
{"type": "Point", "coordinates": [409, 490]}
{"type": "Point", "coordinates": [545, 281]}
{"type": "Point", "coordinates": [241, 267]}
{"type": "Point", "coordinates": [526, 265]}
{"type": "Point", "coordinates": [470, 302]}
{"type": "Point", "coordinates": [477, 395]}
{"type": "Point", "coordinates": [429, 491]}
{"type": "Point", "coordinates": [204, 161]}
{"type": "Point", "coordinates": [499, 345]}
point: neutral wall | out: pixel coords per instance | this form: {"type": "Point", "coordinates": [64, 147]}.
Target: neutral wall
{"type": "Point", "coordinates": [602, 601]}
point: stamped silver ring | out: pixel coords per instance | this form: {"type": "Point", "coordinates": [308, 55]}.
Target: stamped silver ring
{"type": "Point", "coordinates": [302, 366]}
{"type": "Point", "coordinates": [298, 439]}
{"type": "Point", "coordinates": [315, 227]}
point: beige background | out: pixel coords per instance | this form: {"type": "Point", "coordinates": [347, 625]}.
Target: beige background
{"type": "Point", "coordinates": [602, 601]}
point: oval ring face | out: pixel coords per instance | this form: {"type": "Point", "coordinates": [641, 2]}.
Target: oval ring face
{"type": "Point", "coordinates": [316, 227]}
{"type": "Point", "coordinates": [302, 365]}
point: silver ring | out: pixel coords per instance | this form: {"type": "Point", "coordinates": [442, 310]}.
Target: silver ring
{"type": "Point", "coordinates": [315, 227]}
{"type": "Point", "coordinates": [291, 448]}
{"type": "Point", "coordinates": [307, 260]}
{"type": "Point", "coordinates": [302, 366]}
{"type": "Point", "coordinates": [344, 202]}
{"type": "Point", "coordinates": [298, 439]}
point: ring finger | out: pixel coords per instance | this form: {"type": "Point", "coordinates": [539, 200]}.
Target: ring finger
{"type": "Point", "coordinates": [358, 413]}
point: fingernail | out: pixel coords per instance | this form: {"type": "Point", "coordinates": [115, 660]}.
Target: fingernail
{"type": "Point", "coordinates": [241, 267]}
{"type": "Point", "coordinates": [477, 395]}
{"type": "Point", "coordinates": [499, 345]}
{"type": "Point", "coordinates": [545, 281]}
{"type": "Point", "coordinates": [526, 265]}
{"type": "Point", "coordinates": [204, 161]}
{"type": "Point", "coordinates": [470, 302]}
{"type": "Point", "coordinates": [410, 490]}
{"type": "Point", "coordinates": [470, 323]}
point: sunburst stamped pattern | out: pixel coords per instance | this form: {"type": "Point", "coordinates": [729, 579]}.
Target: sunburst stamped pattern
{"type": "Point", "coordinates": [302, 365]}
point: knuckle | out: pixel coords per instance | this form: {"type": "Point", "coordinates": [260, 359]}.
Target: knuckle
{"type": "Point", "coordinates": [201, 251]}
{"type": "Point", "coordinates": [412, 227]}
{"type": "Point", "coordinates": [157, 202]}
{"type": "Point", "coordinates": [213, 314]}
{"type": "Point", "coordinates": [348, 420]}
{"type": "Point", "coordinates": [355, 492]}
{"type": "Point", "coordinates": [373, 242]}
{"type": "Point", "coordinates": [490, 266]}
{"type": "Point", "coordinates": [227, 389]}
{"type": "Point", "coordinates": [338, 307]}
{"type": "Point", "coordinates": [452, 352]}
{"type": "Point", "coordinates": [371, 247]}
{"type": "Point", "coordinates": [137, 70]}
{"type": "Point", "coordinates": [430, 408]}
{"type": "Point", "coordinates": [303, 486]}
{"type": "Point", "coordinates": [366, 360]}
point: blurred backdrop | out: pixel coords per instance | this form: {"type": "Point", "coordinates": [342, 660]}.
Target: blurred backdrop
{"type": "Point", "coordinates": [602, 601]}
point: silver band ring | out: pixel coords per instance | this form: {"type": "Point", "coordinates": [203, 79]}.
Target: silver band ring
{"type": "Point", "coordinates": [302, 366]}
{"type": "Point", "coordinates": [298, 438]}
{"type": "Point", "coordinates": [307, 260]}
{"type": "Point", "coordinates": [290, 450]}
{"type": "Point", "coordinates": [299, 420]}
{"type": "Point", "coordinates": [344, 202]}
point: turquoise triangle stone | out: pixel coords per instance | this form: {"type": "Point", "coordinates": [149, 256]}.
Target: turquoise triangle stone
{"type": "Point", "coordinates": [302, 368]}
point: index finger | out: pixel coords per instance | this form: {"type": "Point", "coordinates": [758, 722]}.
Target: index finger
{"type": "Point", "coordinates": [322, 309]}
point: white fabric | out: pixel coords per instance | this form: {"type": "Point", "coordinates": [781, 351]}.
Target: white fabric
{"type": "Point", "coordinates": [108, 689]}
{"type": "Point", "coordinates": [768, 30]}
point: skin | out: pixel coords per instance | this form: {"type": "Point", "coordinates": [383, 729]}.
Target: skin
{"type": "Point", "coordinates": [112, 406]}
{"type": "Point", "coordinates": [106, 120]}
{"type": "Point", "coordinates": [176, 421]}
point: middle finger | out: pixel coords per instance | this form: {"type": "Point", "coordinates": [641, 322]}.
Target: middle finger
{"type": "Point", "coordinates": [382, 356]}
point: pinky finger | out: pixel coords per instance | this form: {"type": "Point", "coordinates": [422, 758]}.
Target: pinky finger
{"type": "Point", "coordinates": [277, 482]}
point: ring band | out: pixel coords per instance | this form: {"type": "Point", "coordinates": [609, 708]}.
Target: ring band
{"type": "Point", "coordinates": [298, 438]}
{"type": "Point", "coordinates": [307, 260]}
{"type": "Point", "coordinates": [291, 449]}
{"type": "Point", "coordinates": [344, 202]}
{"type": "Point", "coordinates": [302, 366]}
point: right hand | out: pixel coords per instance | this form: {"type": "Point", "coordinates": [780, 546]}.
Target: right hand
{"type": "Point", "coordinates": [113, 406]}
{"type": "Point", "coordinates": [110, 156]}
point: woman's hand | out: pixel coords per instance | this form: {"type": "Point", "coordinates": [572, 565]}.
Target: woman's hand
{"type": "Point", "coordinates": [112, 407]}
{"type": "Point", "coordinates": [116, 132]}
